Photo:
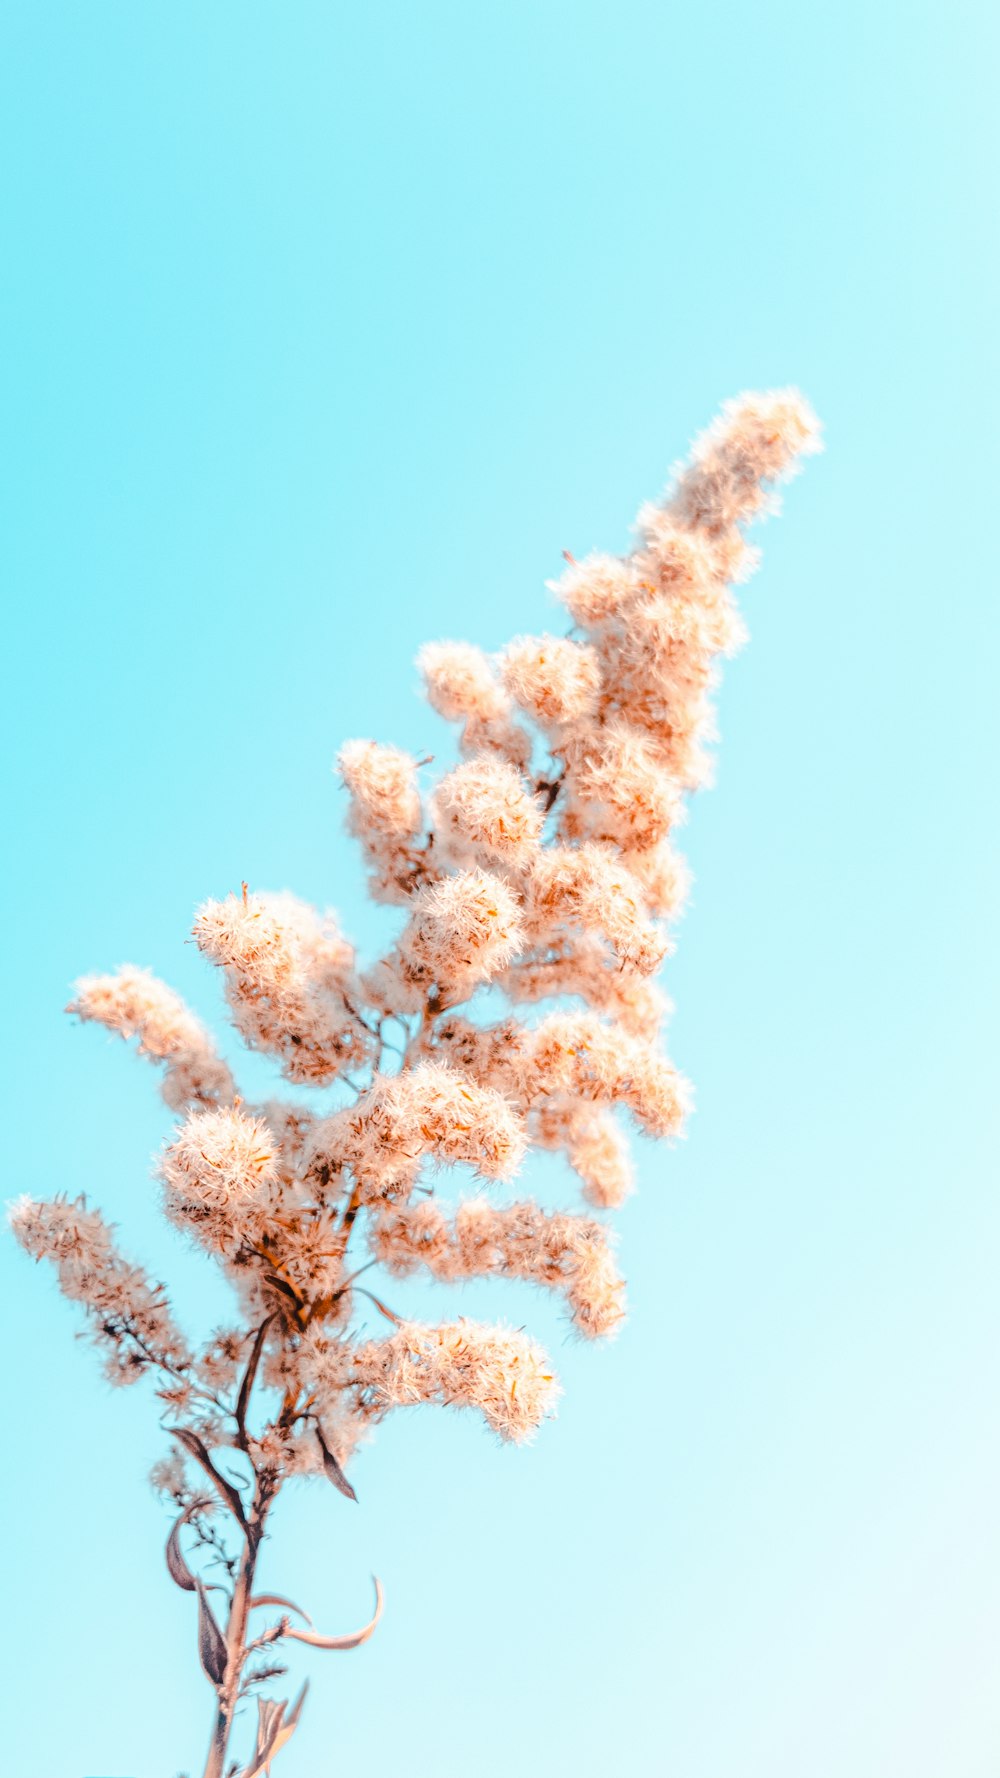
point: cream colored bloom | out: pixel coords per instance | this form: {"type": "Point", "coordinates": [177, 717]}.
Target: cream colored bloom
{"type": "Point", "coordinates": [290, 981]}
{"type": "Point", "coordinates": [130, 1318]}
{"type": "Point", "coordinates": [535, 875]}
{"type": "Point", "coordinates": [462, 685]}
{"type": "Point", "coordinates": [218, 1174]}
{"type": "Point", "coordinates": [484, 813]}
{"type": "Point", "coordinates": [135, 1004]}
{"type": "Point", "coordinates": [431, 1110]}
{"type": "Point", "coordinates": [385, 814]}
{"type": "Point", "coordinates": [568, 1253]}
{"type": "Point", "coordinates": [462, 931]}
{"type": "Point", "coordinates": [552, 678]}
{"type": "Point", "coordinates": [461, 1364]}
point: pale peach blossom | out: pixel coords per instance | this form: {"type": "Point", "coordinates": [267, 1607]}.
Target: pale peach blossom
{"type": "Point", "coordinates": [659, 670]}
{"type": "Point", "coordinates": [587, 887]}
{"type": "Point", "coordinates": [483, 812]}
{"type": "Point", "coordinates": [385, 798]}
{"type": "Point", "coordinates": [131, 1320]}
{"type": "Point", "coordinates": [431, 1109]}
{"type": "Point", "coordinates": [290, 1127]}
{"type": "Point", "coordinates": [498, 1370]}
{"type": "Point", "coordinates": [217, 1175]}
{"type": "Point", "coordinates": [386, 815]}
{"type": "Point", "coordinates": [665, 878]}
{"type": "Point", "coordinates": [462, 685]}
{"type": "Point", "coordinates": [290, 981]}
{"type": "Point", "coordinates": [580, 966]}
{"type": "Point", "coordinates": [598, 588]}
{"type": "Point", "coordinates": [593, 1145]}
{"type": "Point", "coordinates": [618, 790]}
{"type": "Point", "coordinates": [462, 931]}
{"type": "Point", "coordinates": [552, 678]}
{"type": "Point", "coordinates": [756, 441]}
{"type": "Point", "coordinates": [675, 560]}
{"type": "Point", "coordinates": [497, 1055]}
{"type": "Point", "coordinates": [568, 1253]}
{"type": "Point", "coordinates": [135, 1003]}
{"type": "Point", "coordinates": [537, 874]}
{"type": "Point", "coordinates": [579, 1054]}
{"type": "Point", "coordinates": [575, 1055]}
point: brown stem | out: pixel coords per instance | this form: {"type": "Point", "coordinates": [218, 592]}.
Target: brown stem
{"type": "Point", "coordinates": [236, 1636]}
{"type": "Point", "coordinates": [433, 1009]}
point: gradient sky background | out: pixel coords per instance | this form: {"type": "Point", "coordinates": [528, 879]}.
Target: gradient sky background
{"type": "Point", "coordinates": [325, 329]}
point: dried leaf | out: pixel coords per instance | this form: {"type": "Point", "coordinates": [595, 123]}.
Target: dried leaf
{"type": "Point", "coordinates": [279, 1599]}
{"type": "Point", "coordinates": [212, 1650]}
{"type": "Point", "coordinates": [243, 1399]}
{"type": "Point", "coordinates": [291, 1720]}
{"type": "Point", "coordinates": [283, 1285]}
{"type": "Point", "coordinates": [288, 1725]}
{"type": "Point", "coordinates": [333, 1470]}
{"type": "Point", "coordinates": [354, 1641]}
{"type": "Point", "coordinates": [199, 1450]}
{"type": "Point", "coordinates": [274, 1730]}
{"type": "Point", "coordinates": [269, 1714]}
{"type": "Point", "coordinates": [180, 1573]}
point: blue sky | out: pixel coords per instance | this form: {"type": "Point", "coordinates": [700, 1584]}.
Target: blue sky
{"type": "Point", "coordinates": [326, 330]}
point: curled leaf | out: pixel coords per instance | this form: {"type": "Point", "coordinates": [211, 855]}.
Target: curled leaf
{"type": "Point", "coordinates": [279, 1599]}
{"type": "Point", "coordinates": [212, 1650]}
{"type": "Point", "coordinates": [179, 1571]}
{"type": "Point", "coordinates": [352, 1641]}
{"type": "Point", "coordinates": [332, 1468]}
{"type": "Point", "coordinates": [199, 1450]}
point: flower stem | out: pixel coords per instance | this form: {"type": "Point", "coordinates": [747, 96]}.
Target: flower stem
{"type": "Point", "coordinates": [236, 1633]}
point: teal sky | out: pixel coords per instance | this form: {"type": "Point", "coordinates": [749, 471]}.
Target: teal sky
{"type": "Point", "coordinates": [326, 329]}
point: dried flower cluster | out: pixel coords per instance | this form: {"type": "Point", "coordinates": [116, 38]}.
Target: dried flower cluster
{"type": "Point", "coordinates": [539, 869]}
